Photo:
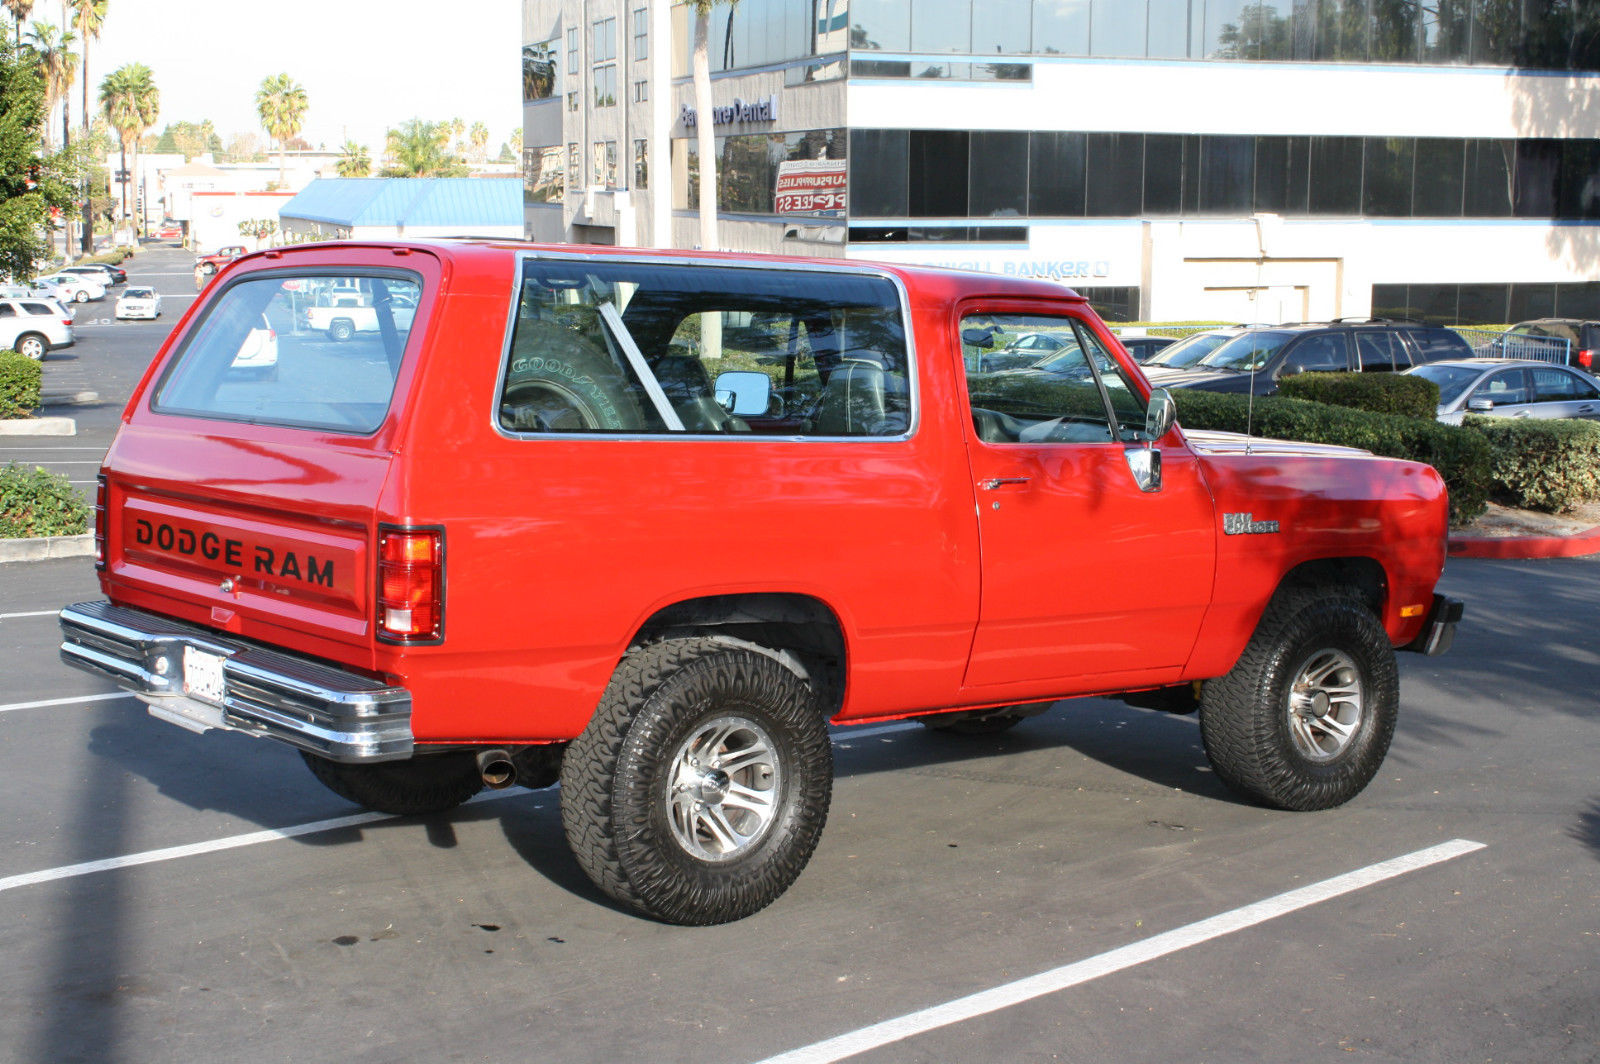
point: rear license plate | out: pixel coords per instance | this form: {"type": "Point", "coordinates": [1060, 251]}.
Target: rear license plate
{"type": "Point", "coordinates": [202, 676]}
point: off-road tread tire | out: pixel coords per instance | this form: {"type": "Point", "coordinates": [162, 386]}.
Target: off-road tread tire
{"type": "Point", "coordinates": [1243, 714]}
{"type": "Point", "coordinates": [614, 815]}
{"type": "Point", "coordinates": [429, 784]}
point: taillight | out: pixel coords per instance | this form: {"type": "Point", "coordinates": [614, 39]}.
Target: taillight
{"type": "Point", "coordinates": [411, 585]}
{"type": "Point", "coordinates": [1586, 359]}
{"type": "Point", "coordinates": [100, 521]}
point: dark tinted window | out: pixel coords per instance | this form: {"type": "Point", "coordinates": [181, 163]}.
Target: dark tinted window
{"type": "Point", "coordinates": [878, 173]}
{"type": "Point", "coordinates": [1335, 175]}
{"type": "Point", "coordinates": [999, 174]}
{"type": "Point", "coordinates": [1380, 351]}
{"type": "Point", "coordinates": [1386, 177]}
{"type": "Point", "coordinates": [1319, 352]}
{"type": "Point", "coordinates": [1434, 345]}
{"type": "Point", "coordinates": [1507, 386]}
{"type": "Point", "coordinates": [1437, 179]}
{"type": "Point", "coordinates": [1115, 174]}
{"type": "Point", "coordinates": [1281, 174]}
{"type": "Point", "coordinates": [1164, 172]}
{"type": "Point", "coordinates": [1227, 174]}
{"type": "Point", "coordinates": [1056, 174]}
{"type": "Point", "coordinates": [937, 173]}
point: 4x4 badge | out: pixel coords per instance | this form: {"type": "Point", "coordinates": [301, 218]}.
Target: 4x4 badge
{"type": "Point", "coordinates": [1245, 525]}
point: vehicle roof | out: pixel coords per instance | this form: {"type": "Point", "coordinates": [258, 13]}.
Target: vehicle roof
{"type": "Point", "coordinates": [935, 282]}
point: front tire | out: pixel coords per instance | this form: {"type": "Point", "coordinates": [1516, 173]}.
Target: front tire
{"type": "Point", "coordinates": [698, 791]}
{"type": "Point", "coordinates": [341, 330]}
{"type": "Point", "coordinates": [80, 296]}
{"type": "Point", "coordinates": [430, 783]}
{"type": "Point", "coordinates": [1305, 717]}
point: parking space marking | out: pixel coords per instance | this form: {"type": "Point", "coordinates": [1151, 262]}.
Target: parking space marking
{"type": "Point", "coordinates": [48, 702]}
{"type": "Point", "coordinates": [1002, 997]}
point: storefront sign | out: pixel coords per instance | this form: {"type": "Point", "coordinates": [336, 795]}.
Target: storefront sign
{"type": "Point", "coordinates": [811, 186]}
{"type": "Point", "coordinates": [740, 111]}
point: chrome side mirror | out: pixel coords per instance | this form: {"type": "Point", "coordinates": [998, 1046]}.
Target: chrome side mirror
{"type": "Point", "coordinates": [1159, 415]}
{"type": "Point", "coordinates": [744, 393]}
{"type": "Point", "coordinates": [1144, 461]}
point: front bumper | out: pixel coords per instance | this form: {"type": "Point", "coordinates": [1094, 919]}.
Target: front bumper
{"type": "Point", "coordinates": [310, 705]}
{"type": "Point", "coordinates": [1439, 633]}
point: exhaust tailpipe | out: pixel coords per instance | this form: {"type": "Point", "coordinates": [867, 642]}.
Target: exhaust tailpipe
{"type": "Point", "coordinates": [497, 768]}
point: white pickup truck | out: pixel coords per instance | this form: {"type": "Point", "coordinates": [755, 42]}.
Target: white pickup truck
{"type": "Point", "coordinates": [341, 315]}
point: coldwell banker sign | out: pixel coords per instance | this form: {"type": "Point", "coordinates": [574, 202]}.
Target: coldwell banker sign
{"type": "Point", "coordinates": [738, 112]}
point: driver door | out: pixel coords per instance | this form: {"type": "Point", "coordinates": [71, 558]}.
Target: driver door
{"type": "Point", "coordinates": [1089, 580]}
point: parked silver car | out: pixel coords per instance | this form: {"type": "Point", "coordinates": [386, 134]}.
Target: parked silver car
{"type": "Point", "coordinates": [1505, 387]}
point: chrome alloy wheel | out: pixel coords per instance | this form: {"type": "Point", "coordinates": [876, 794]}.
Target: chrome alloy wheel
{"type": "Point", "coordinates": [1325, 705]}
{"type": "Point", "coordinates": [723, 788]}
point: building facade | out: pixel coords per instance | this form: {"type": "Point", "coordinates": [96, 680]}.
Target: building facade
{"type": "Point", "coordinates": [1172, 159]}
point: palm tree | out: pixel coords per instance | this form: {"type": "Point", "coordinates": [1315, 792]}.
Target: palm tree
{"type": "Point", "coordinates": [422, 149]}
{"type": "Point", "coordinates": [354, 160]}
{"type": "Point", "coordinates": [87, 18]}
{"type": "Point", "coordinates": [282, 105]}
{"type": "Point", "coordinates": [131, 103]}
{"type": "Point", "coordinates": [20, 10]}
{"type": "Point", "coordinates": [480, 141]}
{"type": "Point", "coordinates": [705, 135]}
{"type": "Point", "coordinates": [58, 66]}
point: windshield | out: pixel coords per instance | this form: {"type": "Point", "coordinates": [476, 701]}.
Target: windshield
{"type": "Point", "coordinates": [1246, 352]}
{"type": "Point", "coordinates": [1189, 350]}
{"type": "Point", "coordinates": [1453, 381]}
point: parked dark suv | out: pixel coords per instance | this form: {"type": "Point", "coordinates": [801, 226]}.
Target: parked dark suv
{"type": "Point", "coordinates": [1259, 356]}
{"type": "Point", "coordinates": [1543, 338]}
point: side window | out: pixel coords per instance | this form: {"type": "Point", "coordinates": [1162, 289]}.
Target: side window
{"type": "Point", "coordinates": [1320, 353]}
{"type": "Point", "coordinates": [1503, 388]}
{"type": "Point", "coordinates": [1550, 385]}
{"type": "Point", "coordinates": [1376, 352]}
{"type": "Point", "coordinates": [1076, 394]}
{"type": "Point", "coordinates": [638, 347]}
{"type": "Point", "coordinates": [7, 310]}
{"type": "Point", "coordinates": [1434, 345]}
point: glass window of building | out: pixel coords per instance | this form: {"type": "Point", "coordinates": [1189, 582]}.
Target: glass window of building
{"type": "Point", "coordinates": [998, 181]}
{"type": "Point", "coordinates": [539, 70]}
{"type": "Point", "coordinates": [1115, 174]}
{"type": "Point", "coordinates": [1056, 182]}
{"type": "Point", "coordinates": [1117, 27]}
{"type": "Point", "coordinates": [1336, 175]}
{"type": "Point", "coordinates": [641, 164]}
{"type": "Point", "coordinates": [941, 25]}
{"type": "Point", "coordinates": [880, 25]}
{"type": "Point", "coordinates": [1386, 177]}
{"type": "Point", "coordinates": [879, 173]}
{"type": "Point", "coordinates": [1002, 27]}
{"type": "Point", "coordinates": [1437, 179]}
{"type": "Point", "coordinates": [574, 166]}
{"type": "Point", "coordinates": [574, 71]}
{"type": "Point", "coordinates": [641, 34]}
{"type": "Point", "coordinates": [605, 85]}
{"type": "Point", "coordinates": [603, 45]}
{"type": "Point", "coordinates": [641, 91]}
{"type": "Point", "coordinates": [937, 181]}
{"type": "Point", "coordinates": [1061, 27]}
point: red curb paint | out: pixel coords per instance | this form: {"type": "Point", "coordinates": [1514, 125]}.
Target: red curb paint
{"type": "Point", "coordinates": [1523, 547]}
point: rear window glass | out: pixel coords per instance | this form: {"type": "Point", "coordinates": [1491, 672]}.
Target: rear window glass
{"type": "Point", "coordinates": [264, 352]}
{"type": "Point", "coordinates": [626, 347]}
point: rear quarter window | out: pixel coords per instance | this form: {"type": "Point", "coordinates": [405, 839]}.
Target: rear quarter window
{"type": "Point", "coordinates": [253, 356]}
{"type": "Point", "coordinates": [1439, 345]}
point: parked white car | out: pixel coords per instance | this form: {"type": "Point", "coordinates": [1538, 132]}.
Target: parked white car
{"type": "Point", "coordinates": [258, 355]}
{"type": "Point", "coordinates": [139, 303]}
{"type": "Point", "coordinates": [34, 326]}
{"type": "Point", "coordinates": [75, 287]}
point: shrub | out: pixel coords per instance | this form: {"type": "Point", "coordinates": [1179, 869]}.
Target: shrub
{"type": "Point", "coordinates": [1379, 393]}
{"type": "Point", "coordinates": [1461, 457]}
{"type": "Point", "coordinates": [1541, 465]}
{"type": "Point", "coordinates": [20, 380]}
{"type": "Point", "coordinates": [34, 502]}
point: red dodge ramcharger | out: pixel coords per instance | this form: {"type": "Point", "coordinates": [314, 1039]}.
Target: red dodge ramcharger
{"type": "Point", "coordinates": [648, 522]}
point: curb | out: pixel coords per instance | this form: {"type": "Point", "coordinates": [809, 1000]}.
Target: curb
{"type": "Point", "coordinates": [38, 426]}
{"type": "Point", "coordinates": [1522, 548]}
{"type": "Point", "coordinates": [46, 547]}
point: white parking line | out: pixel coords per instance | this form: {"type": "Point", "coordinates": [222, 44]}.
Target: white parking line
{"type": "Point", "coordinates": [48, 702]}
{"type": "Point", "coordinates": [1009, 994]}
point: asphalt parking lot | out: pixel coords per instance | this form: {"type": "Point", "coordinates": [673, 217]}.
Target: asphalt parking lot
{"type": "Point", "coordinates": [1078, 889]}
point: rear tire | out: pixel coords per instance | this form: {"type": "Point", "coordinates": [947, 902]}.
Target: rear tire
{"type": "Point", "coordinates": [430, 783]}
{"type": "Point", "coordinates": [1304, 719]}
{"type": "Point", "coordinates": [32, 345]}
{"type": "Point", "coordinates": [341, 330]}
{"type": "Point", "coordinates": [698, 791]}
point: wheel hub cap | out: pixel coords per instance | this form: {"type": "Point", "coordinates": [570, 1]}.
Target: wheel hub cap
{"type": "Point", "coordinates": [1326, 705]}
{"type": "Point", "coordinates": [723, 788]}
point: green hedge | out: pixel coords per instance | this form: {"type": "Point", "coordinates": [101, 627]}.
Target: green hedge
{"type": "Point", "coordinates": [1541, 465]}
{"type": "Point", "coordinates": [1379, 393]}
{"type": "Point", "coordinates": [34, 502]}
{"type": "Point", "coordinates": [1463, 458]}
{"type": "Point", "coordinates": [20, 380]}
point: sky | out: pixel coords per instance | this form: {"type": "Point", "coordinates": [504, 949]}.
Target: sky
{"type": "Point", "coordinates": [366, 65]}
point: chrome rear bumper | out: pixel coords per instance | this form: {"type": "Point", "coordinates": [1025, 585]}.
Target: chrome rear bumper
{"type": "Point", "coordinates": [316, 707]}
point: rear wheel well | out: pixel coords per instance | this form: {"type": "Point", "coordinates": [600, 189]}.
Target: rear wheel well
{"type": "Point", "coordinates": [801, 625]}
{"type": "Point", "coordinates": [1362, 575]}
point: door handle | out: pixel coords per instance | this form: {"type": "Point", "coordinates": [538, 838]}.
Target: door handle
{"type": "Point", "coordinates": [1000, 482]}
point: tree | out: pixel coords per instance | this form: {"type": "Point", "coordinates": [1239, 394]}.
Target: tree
{"type": "Point", "coordinates": [354, 160]}
{"type": "Point", "coordinates": [422, 149]}
{"type": "Point", "coordinates": [479, 135]}
{"type": "Point", "coordinates": [705, 135]}
{"type": "Point", "coordinates": [20, 10]}
{"type": "Point", "coordinates": [58, 66]}
{"type": "Point", "coordinates": [88, 16]}
{"type": "Point", "coordinates": [131, 102]}
{"type": "Point", "coordinates": [33, 184]}
{"type": "Point", "coordinates": [282, 105]}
